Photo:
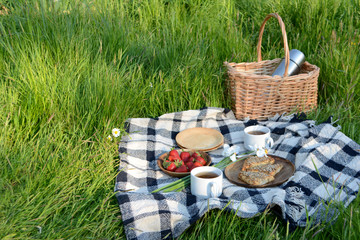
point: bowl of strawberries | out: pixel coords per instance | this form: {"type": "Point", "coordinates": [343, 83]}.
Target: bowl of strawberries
{"type": "Point", "coordinates": [179, 162]}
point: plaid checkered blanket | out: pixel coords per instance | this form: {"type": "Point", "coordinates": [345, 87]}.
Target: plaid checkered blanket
{"type": "Point", "coordinates": [327, 170]}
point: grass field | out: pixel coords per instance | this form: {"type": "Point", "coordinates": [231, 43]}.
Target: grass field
{"type": "Point", "coordinates": [70, 71]}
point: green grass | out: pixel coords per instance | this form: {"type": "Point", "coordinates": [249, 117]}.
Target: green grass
{"type": "Point", "coordinates": [70, 71]}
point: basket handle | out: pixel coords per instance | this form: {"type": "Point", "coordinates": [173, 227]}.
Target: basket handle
{"type": "Point", "coordinates": [286, 46]}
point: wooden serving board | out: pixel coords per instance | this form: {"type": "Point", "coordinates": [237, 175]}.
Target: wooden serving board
{"type": "Point", "coordinates": [232, 172]}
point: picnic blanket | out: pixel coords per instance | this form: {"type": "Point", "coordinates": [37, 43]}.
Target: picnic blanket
{"type": "Point", "coordinates": [327, 171]}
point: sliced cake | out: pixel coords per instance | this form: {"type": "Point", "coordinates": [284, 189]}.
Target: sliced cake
{"type": "Point", "coordinates": [254, 161]}
{"type": "Point", "coordinates": [255, 178]}
{"type": "Point", "coordinates": [271, 169]}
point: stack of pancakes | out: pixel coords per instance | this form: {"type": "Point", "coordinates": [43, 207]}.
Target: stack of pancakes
{"type": "Point", "coordinates": [259, 170]}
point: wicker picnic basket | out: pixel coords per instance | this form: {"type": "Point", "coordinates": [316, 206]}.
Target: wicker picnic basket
{"type": "Point", "coordinates": [258, 95]}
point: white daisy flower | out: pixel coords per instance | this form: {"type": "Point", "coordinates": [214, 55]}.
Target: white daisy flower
{"type": "Point", "coordinates": [231, 151]}
{"type": "Point", "coordinates": [254, 148]}
{"type": "Point", "coordinates": [116, 132]}
{"type": "Point", "coordinates": [261, 152]}
{"type": "Point", "coordinates": [109, 138]}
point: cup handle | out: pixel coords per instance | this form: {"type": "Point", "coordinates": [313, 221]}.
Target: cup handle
{"type": "Point", "coordinates": [269, 142]}
{"type": "Point", "coordinates": [213, 190]}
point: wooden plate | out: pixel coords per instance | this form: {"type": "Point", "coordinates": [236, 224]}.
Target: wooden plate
{"type": "Point", "coordinates": [205, 150]}
{"type": "Point", "coordinates": [232, 172]}
{"type": "Point", "coordinates": [200, 138]}
{"type": "Point", "coordinates": [180, 174]}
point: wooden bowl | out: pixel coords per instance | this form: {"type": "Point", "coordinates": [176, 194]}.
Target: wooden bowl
{"type": "Point", "coordinates": [206, 157]}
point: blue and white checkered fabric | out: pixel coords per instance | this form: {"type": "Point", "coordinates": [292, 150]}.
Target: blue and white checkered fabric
{"type": "Point", "coordinates": [327, 170]}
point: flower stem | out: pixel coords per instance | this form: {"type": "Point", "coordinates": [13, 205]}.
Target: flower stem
{"type": "Point", "coordinates": [179, 181]}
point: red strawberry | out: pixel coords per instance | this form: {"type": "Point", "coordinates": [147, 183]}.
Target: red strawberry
{"type": "Point", "coordinates": [166, 163]}
{"type": "Point", "coordinates": [174, 153]}
{"type": "Point", "coordinates": [179, 163]}
{"type": "Point", "coordinates": [182, 168]}
{"type": "Point", "coordinates": [196, 164]}
{"type": "Point", "coordinates": [171, 167]}
{"type": "Point", "coordinates": [196, 154]}
{"type": "Point", "coordinates": [189, 164]}
{"type": "Point", "coordinates": [185, 156]}
{"type": "Point", "coordinates": [201, 160]}
{"type": "Point", "coordinates": [173, 158]}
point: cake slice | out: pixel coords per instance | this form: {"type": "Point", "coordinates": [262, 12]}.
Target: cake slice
{"type": "Point", "coordinates": [272, 169]}
{"type": "Point", "coordinates": [257, 161]}
{"type": "Point", "coordinates": [255, 178]}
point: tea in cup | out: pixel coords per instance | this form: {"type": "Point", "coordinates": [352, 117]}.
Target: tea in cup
{"type": "Point", "coordinates": [206, 182]}
{"type": "Point", "coordinates": [259, 136]}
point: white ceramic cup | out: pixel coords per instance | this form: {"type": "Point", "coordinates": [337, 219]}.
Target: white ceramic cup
{"type": "Point", "coordinates": [261, 140]}
{"type": "Point", "coordinates": [206, 182]}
